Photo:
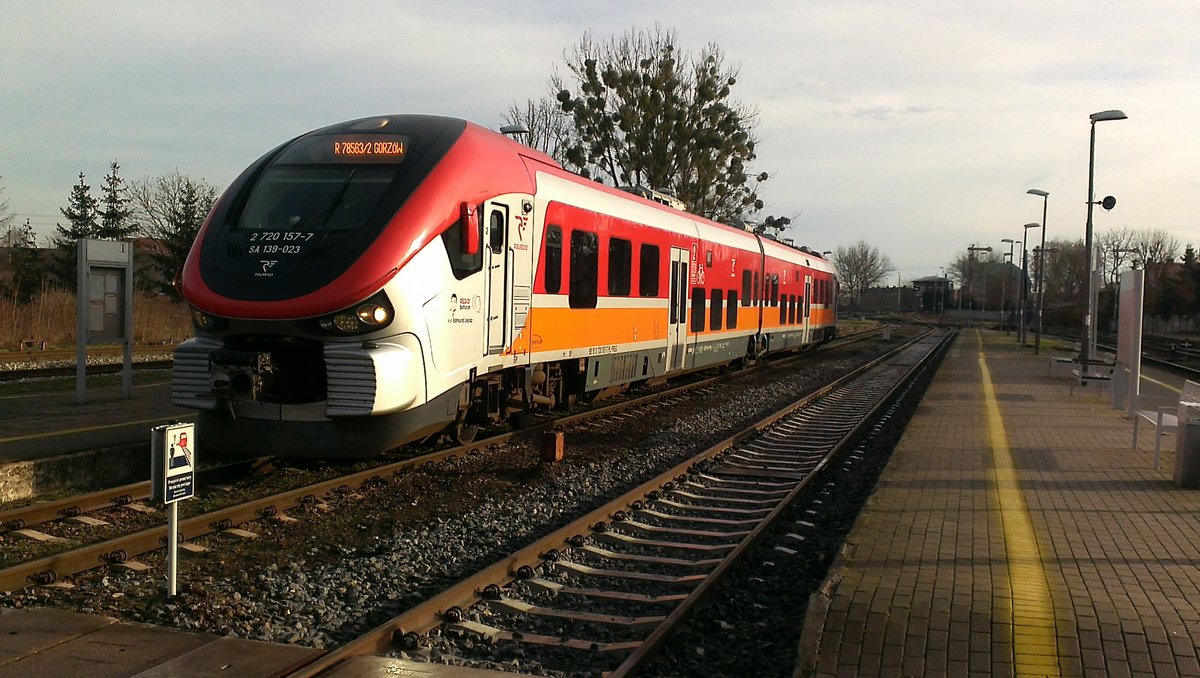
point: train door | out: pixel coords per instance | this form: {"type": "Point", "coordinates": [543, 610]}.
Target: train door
{"type": "Point", "coordinates": [678, 317]}
{"type": "Point", "coordinates": [520, 276]}
{"type": "Point", "coordinates": [495, 262]}
{"type": "Point", "coordinates": [808, 285]}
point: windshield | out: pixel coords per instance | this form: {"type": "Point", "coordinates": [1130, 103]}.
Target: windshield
{"type": "Point", "coordinates": [294, 199]}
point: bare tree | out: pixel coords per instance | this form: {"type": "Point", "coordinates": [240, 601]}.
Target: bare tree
{"type": "Point", "coordinates": [1156, 246]}
{"type": "Point", "coordinates": [550, 129]}
{"type": "Point", "coordinates": [6, 216]}
{"type": "Point", "coordinates": [1116, 251]}
{"type": "Point", "coordinates": [860, 266]}
{"type": "Point", "coordinates": [171, 208]}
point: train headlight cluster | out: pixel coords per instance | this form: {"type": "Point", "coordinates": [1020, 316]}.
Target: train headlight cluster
{"type": "Point", "coordinates": [206, 322]}
{"type": "Point", "coordinates": [371, 315]}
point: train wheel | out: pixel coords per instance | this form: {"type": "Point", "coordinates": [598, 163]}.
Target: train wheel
{"type": "Point", "coordinates": [465, 433]}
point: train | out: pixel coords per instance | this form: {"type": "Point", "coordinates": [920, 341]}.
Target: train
{"type": "Point", "coordinates": [401, 277]}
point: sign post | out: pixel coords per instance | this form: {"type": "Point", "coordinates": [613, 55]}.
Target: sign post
{"type": "Point", "coordinates": [172, 478]}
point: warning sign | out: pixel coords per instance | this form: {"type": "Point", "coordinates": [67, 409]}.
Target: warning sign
{"type": "Point", "coordinates": [173, 464]}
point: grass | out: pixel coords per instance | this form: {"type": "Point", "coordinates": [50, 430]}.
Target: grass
{"type": "Point", "coordinates": [51, 316]}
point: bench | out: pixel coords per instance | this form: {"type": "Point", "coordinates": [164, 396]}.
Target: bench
{"type": "Point", "coordinates": [1165, 418]}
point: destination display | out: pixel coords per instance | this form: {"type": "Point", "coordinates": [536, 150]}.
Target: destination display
{"type": "Point", "coordinates": [347, 148]}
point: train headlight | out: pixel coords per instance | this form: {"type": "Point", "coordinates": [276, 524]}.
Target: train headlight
{"type": "Point", "coordinates": [369, 316]}
{"type": "Point", "coordinates": [205, 322]}
{"type": "Point", "coordinates": [346, 322]}
{"type": "Point", "coordinates": [373, 314]}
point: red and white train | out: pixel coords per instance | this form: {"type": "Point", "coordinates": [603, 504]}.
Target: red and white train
{"type": "Point", "coordinates": [381, 280]}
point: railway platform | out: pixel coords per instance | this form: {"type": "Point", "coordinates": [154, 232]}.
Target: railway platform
{"type": "Point", "coordinates": [48, 441]}
{"type": "Point", "coordinates": [1015, 532]}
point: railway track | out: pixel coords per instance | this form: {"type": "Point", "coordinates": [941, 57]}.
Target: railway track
{"type": "Point", "coordinates": [612, 585]}
{"type": "Point", "coordinates": [124, 550]}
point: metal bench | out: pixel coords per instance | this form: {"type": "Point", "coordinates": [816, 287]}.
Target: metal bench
{"type": "Point", "coordinates": [1166, 417]}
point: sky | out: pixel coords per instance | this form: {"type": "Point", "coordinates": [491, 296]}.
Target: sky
{"type": "Point", "coordinates": [914, 125]}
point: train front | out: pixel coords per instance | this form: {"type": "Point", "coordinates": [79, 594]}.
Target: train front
{"type": "Point", "coordinates": [301, 283]}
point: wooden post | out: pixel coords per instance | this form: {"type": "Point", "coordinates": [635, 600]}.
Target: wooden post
{"type": "Point", "coordinates": [552, 447]}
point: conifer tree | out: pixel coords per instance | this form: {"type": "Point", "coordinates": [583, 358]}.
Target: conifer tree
{"type": "Point", "coordinates": [81, 213]}
{"type": "Point", "coordinates": [116, 222]}
{"type": "Point", "coordinates": [23, 263]}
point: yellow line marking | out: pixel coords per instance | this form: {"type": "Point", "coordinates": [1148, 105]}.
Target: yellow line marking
{"type": "Point", "coordinates": [90, 429]}
{"type": "Point", "coordinates": [1163, 384]}
{"type": "Point", "coordinates": [1035, 642]}
{"type": "Point", "coordinates": [47, 394]}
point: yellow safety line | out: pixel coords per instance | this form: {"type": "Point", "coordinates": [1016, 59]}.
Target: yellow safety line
{"type": "Point", "coordinates": [47, 394]}
{"type": "Point", "coordinates": [1035, 642]}
{"type": "Point", "coordinates": [89, 429]}
{"type": "Point", "coordinates": [1163, 384]}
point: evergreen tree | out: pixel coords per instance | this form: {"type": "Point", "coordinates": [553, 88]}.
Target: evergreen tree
{"type": "Point", "coordinates": [81, 212]}
{"type": "Point", "coordinates": [116, 222]}
{"type": "Point", "coordinates": [23, 263]}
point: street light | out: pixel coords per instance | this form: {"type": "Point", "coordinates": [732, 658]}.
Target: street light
{"type": "Point", "coordinates": [1108, 203]}
{"type": "Point", "coordinates": [1022, 295]}
{"type": "Point", "coordinates": [1004, 285]}
{"type": "Point", "coordinates": [971, 277]}
{"type": "Point", "coordinates": [942, 293]}
{"type": "Point", "coordinates": [1041, 250]}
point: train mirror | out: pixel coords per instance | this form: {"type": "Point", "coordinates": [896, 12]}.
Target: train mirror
{"type": "Point", "coordinates": [1108, 203]}
{"type": "Point", "coordinates": [468, 222]}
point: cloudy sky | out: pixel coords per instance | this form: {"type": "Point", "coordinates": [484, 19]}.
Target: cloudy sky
{"type": "Point", "coordinates": [915, 125]}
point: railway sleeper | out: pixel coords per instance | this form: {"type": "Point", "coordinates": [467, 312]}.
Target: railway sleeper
{"type": "Point", "coordinates": [713, 534]}
{"type": "Point", "coordinates": [521, 607]}
{"type": "Point", "coordinates": [653, 560]}
{"type": "Point", "coordinates": [656, 543]}
{"type": "Point", "coordinates": [557, 588]}
{"type": "Point", "coordinates": [580, 568]}
{"type": "Point", "coordinates": [493, 634]}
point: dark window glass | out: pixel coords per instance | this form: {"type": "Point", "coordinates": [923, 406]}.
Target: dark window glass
{"type": "Point", "coordinates": [716, 312]}
{"type": "Point", "coordinates": [756, 288]}
{"type": "Point", "coordinates": [620, 265]}
{"type": "Point", "coordinates": [791, 308]}
{"type": "Point", "coordinates": [585, 268]}
{"type": "Point", "coordinates": [648, 271]}
{"type": "Point", "coordinates": [462, 264]}
{"type": "Point", "coordinates": [731, 310]}
{"type": "Point", "coordinates": [783, 306]}
{"type": "Point", "coordinates": [496, 231]}
{"type": "Point", "coordinates": [683, 278]}
{"type": "Point", "coordinates": [746, 287]}
{"type": "Point", "coordinates": [674, 291]}
{"type": "Point", "coordinates": [553, 259]}
{"type": "Point", "coordinates": [774, 290]}
{"type": "Point", "coordinates": [318, 199]}
{"type": "Point", "coordinates": [698, 309]}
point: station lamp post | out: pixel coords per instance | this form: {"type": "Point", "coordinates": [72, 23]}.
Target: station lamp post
{"type": "Point", "coordinates": [1004, 285]}
{"type": "Point", "coordinates": [1024, 276]}
{"type": "Point", "coordinates": [1108, 203]}
{"type": "Point", "coordinates": [971, 276]}
{"type": "Point", "coordinates": [1041, 279]}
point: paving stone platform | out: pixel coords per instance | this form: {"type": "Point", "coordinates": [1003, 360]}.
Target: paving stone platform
{"type": "Point", "coordinates": [1015, 532]}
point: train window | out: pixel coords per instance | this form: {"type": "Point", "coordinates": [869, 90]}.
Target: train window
{"type": "Point", "coordinates": [708, 259]}
{"type": "Point", "coordinates": [303, 199]}
{"type": "Point", "coordinates": [791, 309]}
{"type": "Point", "coordinates": [496, 231]}
{"type": "Point", "coordinates": [674, 291]}
{"type": "Point", "coordinates": [462, 264]}
{"type": "Point", "coordinates": [585, 269]}
{"type": "Point", "coordinates": [746, 287]}
{"type": "Point", "coordinates": [755, 288]}
{"type": "Point", "coordinates": [774, 290]}
{"type": "Point", "coordinates": [620, 263]}
{"type": "Point", "coordinates": [648, 271]}
{"type": "Point", "coordinates": [783, 306]}
{"type": "Point", "coordinates": [697, 309]}
{"type": "Point", "coordinates": [731, 309]}
{"type": "Point", "coordinates": [553, 265]}
{"type": "Point", "coordinates": [716, 312]}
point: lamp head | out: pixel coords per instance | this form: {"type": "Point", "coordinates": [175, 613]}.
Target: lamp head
{"type": "Point", "coordinates": [1107, 115]}
{"type": "Point", "coordinates": [1037, 191]}
{"type": "Point", "coordinates": [1008, 240]}
{"type": "Point", "coordinates": [1028, 226]}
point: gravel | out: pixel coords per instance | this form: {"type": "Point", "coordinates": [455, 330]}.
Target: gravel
{"type": "Point", "coordinates": [355, 562]}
